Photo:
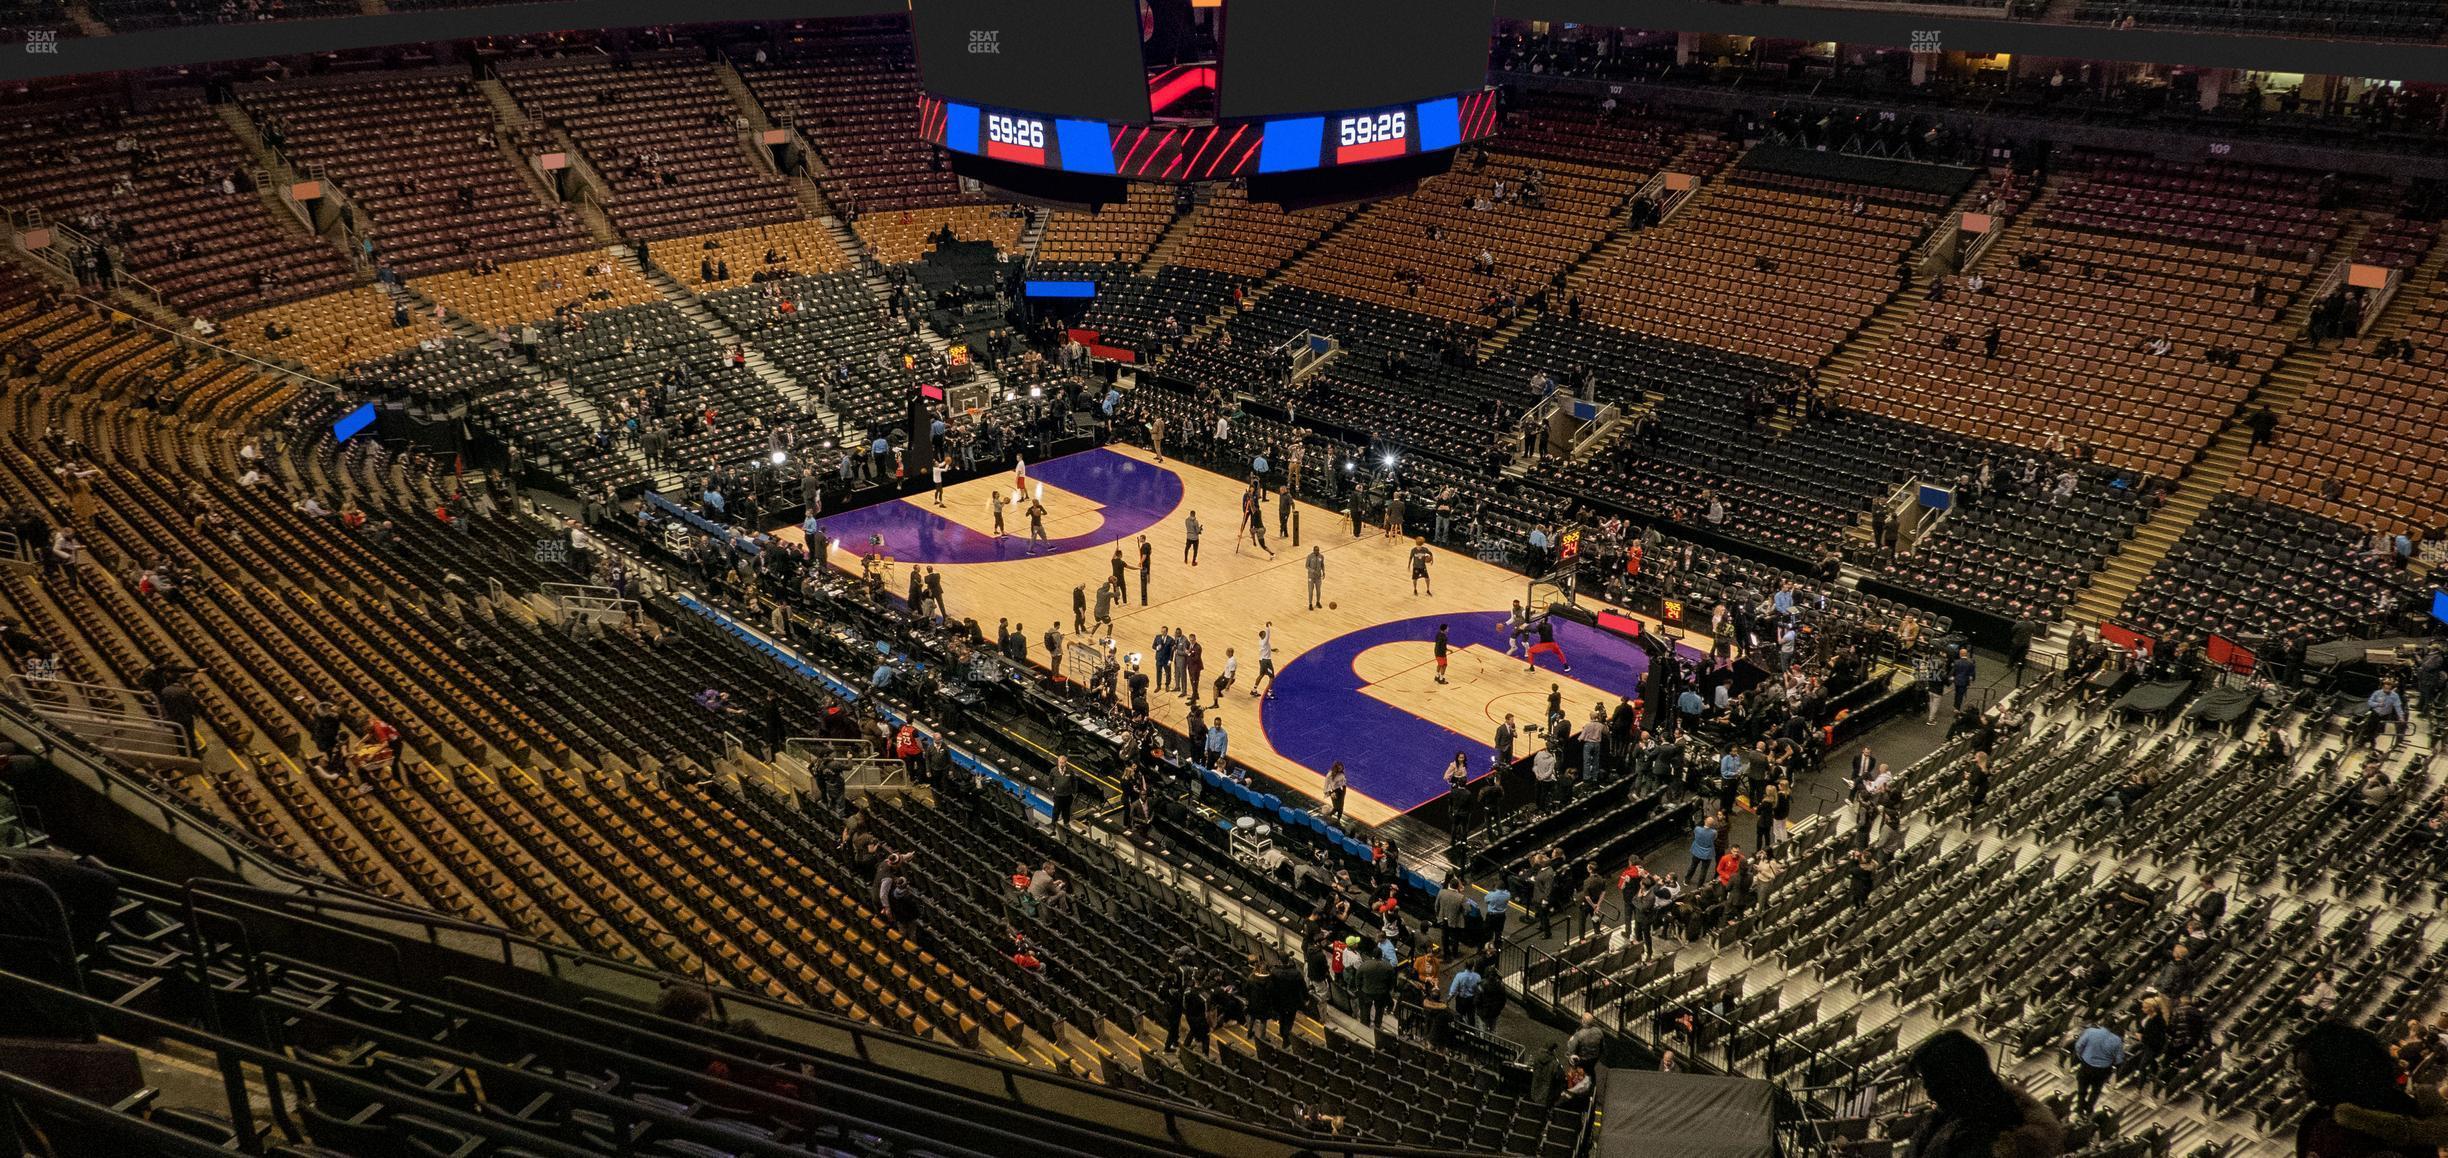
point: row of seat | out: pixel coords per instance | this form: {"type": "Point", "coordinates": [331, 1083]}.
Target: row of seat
{"type": "Point", "coordinates": [148, 185]}
{"type": "Point", "coordinates": [660, 128]}
{"type": "Point", "coordinates": [418, 155]}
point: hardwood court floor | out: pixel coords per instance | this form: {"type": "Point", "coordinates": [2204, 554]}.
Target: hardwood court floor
{"type": "Point", "coordinates": [1367, 696]}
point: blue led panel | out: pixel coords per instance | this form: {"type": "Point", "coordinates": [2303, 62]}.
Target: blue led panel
{"type": "Point", "coordinates": [961, 128]}
{"type": "Point", "coordinates": [1291, 145]}
{"type": "Point", "coordinates": [1086, 146]}
{"type": "Point", "coordinates": [353, 423]}
{"type": "Point", "coordinates": [1440, 124]}
{"type": "Point", "coordinates": [1059, 289]}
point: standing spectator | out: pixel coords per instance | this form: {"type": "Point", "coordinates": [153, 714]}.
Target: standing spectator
{"type": "Point", "coordinates": [1490, 1005]}
{"type": "Point", "coordinates": [1864, 873]}
{"type": "Point", "coordinates": [1462, 990]}
{"type": "Point", "coordinates": [2388, 712]}
{"type": "Point", "coordinates": [2153, 1030]}
{"type": "Point", "coordinates": [1587, 1045]}
{"type": "Point", "coordinates": [1496, 907]}
{"type": "Point", "coordinates": [2098, 1051]}
{"type": "Point", "coordinates": [1703, 850]}
{"type": "Point", "coordinates": [1452, 912]}
{"type": "Point", "coordinates": [2018, 649]}
{"type": "Point", "coordinates": [1283, 998]}
{"type": "Point", "coordinates": [1547, 886]}
{"type": "Point", "coordinates": [1592, 896]}
{"type": "Point", "coordinates": [1373, 986]}
{"type": "Point", "coordinates": [1931, 674]}
{"type": "Point", "coordinates": [1066, 791]}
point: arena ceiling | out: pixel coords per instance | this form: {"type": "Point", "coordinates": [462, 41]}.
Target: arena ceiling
{"type": "Point", "coordinates": [1946, 30]}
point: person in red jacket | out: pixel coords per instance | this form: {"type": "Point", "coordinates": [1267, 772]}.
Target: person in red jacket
{"type": "Point", "coordinates": [1729, 864]}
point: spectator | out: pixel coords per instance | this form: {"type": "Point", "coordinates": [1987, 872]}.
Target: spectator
{"type": "Point", "coordinates": [1973, 1113]}
{"type": "Point", "coordinates": [2098, 1051]}
{"type": "Point", "coordinates": [2347, 1069]}
{"type": "Point", "coordinates": [1587, 1045]}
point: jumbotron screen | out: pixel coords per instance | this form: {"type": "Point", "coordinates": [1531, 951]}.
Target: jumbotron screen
{"type": "Point", "coordinates": [1316, 55]}
{"type": "Point", "coordinates": [1070, 58]}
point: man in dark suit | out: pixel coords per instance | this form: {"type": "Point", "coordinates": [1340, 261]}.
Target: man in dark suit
{"type": "Point", "coordinates": [1374, 982]}
{"type": "Point", "coordinates": [1286, 995]}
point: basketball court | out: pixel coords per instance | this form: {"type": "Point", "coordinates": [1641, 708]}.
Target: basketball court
{"type": "Point", "coordinates": [1355, 680]}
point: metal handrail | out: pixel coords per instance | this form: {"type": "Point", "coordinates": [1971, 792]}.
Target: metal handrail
{"type": "Point", "coordinates": [74, 757]}
{"type": "Point", "coordinates": [189, 338]}
{"type": "Point", "coordinates": [1981, 245]}
{"type": "Point", "coordinates": [869, 1043]}
{"type": "Point", "coordinates": [1728, 1031]}
{"type": "Point", "coordinates": [232, 1055]}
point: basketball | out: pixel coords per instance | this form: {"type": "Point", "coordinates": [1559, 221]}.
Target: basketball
{"type": "Point", "coordinates": [1331, 605]}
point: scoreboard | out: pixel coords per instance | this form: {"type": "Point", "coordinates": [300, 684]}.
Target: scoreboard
{"type": "Point", "coordinates": [1208, 151]}
{"type": "Point", "coordinates": [1090, 91]}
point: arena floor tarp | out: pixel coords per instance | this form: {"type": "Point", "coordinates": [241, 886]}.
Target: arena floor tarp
{"type": "Point", "coordinates": [1654, 1115]}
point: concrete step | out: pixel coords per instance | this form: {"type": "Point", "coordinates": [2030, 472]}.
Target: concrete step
{"type": "Point", "coordinates": [506, 110]}
{"type": "Point", "coordinates": [86, 24]}
{"type": "Point", "coordinates": [277, 175]}
{"type": "Point", "coordinates": [741, 97]}
{"type": "Point", "coordinates": [1181, 229]}
{"type": "Point", "coordinates": [811, 198]}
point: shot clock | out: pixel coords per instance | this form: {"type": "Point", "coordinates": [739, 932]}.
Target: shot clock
{"type": "Point", "coordinates": [1016, 138]}
{"type": "Point", "coordinates": [1372, 136]}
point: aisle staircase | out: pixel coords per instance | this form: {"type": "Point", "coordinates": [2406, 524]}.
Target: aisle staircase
{"type": "Point", "coordinates": [1891, 319]}
{"type": "Point", "coordinates": [86, 24]}
{"type": "Point", "coordinates": [594, 190]}
{"type": "Point", "coordinates": [812, 202]}
{"type": "Point", "coordinates": [752, 138]}
{"type": "Point", "coordinates": [2419, 281]}
{"type": "Point", "coordinates": [1033, 232]}
{"type": "Point", "coordinates": [510, 120]}
{"type": "Point", "coordinates": [1177, 233]}
{"type": "Point", "coordinates": [243, 127]}
{"type": "Point", "coordinates": [276, 173]}
{"type": "Point", "coordinates": [694, 309]}
{"type": "Point", "coordinates": [506, 110]}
